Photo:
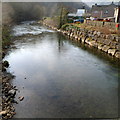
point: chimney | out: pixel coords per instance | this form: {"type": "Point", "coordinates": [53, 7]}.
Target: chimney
{"type": "Point", "coordinates": [112, 3]}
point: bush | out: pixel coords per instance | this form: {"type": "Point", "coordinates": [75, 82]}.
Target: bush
{"type": "Point", "coordinates": [65, 26]}
{"type": "Point", "coordinates": [6, 37]}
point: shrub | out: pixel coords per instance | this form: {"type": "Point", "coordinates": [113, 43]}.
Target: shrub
{"type": "Point", "coordinates": [6, 37]}
{"type": "Point", "coordinates": [65, 26]}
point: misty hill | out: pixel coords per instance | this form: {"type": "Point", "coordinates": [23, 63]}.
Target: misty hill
{"type": "Point", "coordinates": [18, 11]}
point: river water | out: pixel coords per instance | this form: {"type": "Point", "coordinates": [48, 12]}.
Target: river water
{"type": "Point", "coordinates": [60, 78]}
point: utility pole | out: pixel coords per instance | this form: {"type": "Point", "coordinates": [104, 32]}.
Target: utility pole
{"type": "Point", "coordinates": [101, 16]}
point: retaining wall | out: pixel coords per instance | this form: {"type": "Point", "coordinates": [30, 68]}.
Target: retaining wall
{"type": "Point", "coordinates": [110, 25]}
{"type": "Point", "coordinates": [107, 43]}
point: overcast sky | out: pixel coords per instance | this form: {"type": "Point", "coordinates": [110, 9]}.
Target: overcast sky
{"type": "Point", "coordinates": [60, 0]}
{"type": "Point", "coordinates": [100, 0]}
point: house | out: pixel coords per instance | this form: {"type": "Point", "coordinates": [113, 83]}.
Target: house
{"type": "Point", "coordinates": [77, 17]}
{"type": "Point", "coordinates": [103, 11]}
{"type": "Point", "coordinates": [79, 13]}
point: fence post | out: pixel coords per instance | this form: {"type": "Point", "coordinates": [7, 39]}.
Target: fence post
{"type": "Point", "coordinates": [117, 26]}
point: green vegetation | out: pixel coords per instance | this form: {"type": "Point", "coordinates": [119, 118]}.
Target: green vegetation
{"type": "Point", "coordinates": [6, 37]}
{"type": "Point", "coordinates": [69, 26]}
{"type": "Point", "coordinates": [6, 41]}
{"type": "Point", "coordinates": [65, 26]}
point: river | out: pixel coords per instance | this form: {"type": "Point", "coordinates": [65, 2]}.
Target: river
{"type": "Point", "coordinates": [60, 78]}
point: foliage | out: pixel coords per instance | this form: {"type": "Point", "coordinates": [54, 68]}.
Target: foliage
{"type": "Point", "coordinates": [65, 26]}
{"type": "Point", "coordinates": [6, 37]}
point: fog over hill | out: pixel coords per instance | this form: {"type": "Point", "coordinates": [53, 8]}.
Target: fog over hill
{"type": "Point", "coordinates": [20, 11]}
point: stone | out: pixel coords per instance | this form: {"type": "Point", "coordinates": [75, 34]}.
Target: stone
{"type": "Point", "coordinates": [105, 48]}
{"type": "Point", "coordinates": [93, 43]}
{"type": "Point", "coordinates": [71, 34]}
{"type": "Point", "coordinates": [76, 37]}
{"type": "Point", "coordinates": [13, 113]}
{"type": "Point", "coordinates": [14, 101]}
{"type": "Point", "coordinates": [107, 36]}
{"type": "Point", "coordinates": [83, 39]}
{"type": "Point", "coordinates": [3, 112]}
{"type": "Point", "coordinates": [95, 32]}
{"type": "Point", "coordinates": [113, 44]}
{"type": "Point", "coordinates": [6, 64]}
{"type": "Point", "coordinates": [12, 92]}
{"type": "Point", "coordinates": [98, 33]}
{"type": "Point", "coordinates": [9, 115]}
{"type": "Point", "coordinates": [117, 54]}
{"type": "Point", "coordinates": [113, 38]}
{"type": "Point", "coordinates": [14, 86]}
{"type": "Point", "coordinates": [107, 42]}
{"type": "Point", "coordinates": [21, 98]}
{"type": "Point", "coordinates": [112, 51]}
{"type": "Point", "coordinates": [79, 38]}
{"type": "Point", "coordinates": [100, 40]}
{"type": "Point", "coordinates": [118, 47]}
{"type": "Point", "coordinates": [68, 34]}
{"type": "Point", "coordinates": [12, 109]}
{"type": "Point", "coordinates": [87, 40]}
{"type": "Point", "coordinates": [117, 39]}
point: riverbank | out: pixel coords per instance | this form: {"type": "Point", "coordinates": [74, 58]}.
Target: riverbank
{"type": "Point", "coordinates": [8, 90]}
{"type": "Point", "coordinates": [108, 43]}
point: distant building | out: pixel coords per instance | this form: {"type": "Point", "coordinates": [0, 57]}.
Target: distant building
{"type": "Point", "coordinates": [79, 13]}
{"type": "Point", "coordinates": [77, 17]}
{"type": "Point", "coordinates": [103, 11]}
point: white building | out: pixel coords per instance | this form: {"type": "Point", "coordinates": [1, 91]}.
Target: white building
{"type": "Point", "coordinates": [79, 13]}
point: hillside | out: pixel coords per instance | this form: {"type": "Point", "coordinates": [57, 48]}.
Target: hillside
{"type": "Point", "coordinates": [17, 12]}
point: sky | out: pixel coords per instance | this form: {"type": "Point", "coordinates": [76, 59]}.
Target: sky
{"type": "Point", "coordinates": [88, 2]}
{"type": "Point", "coordinates": [100, 0]}
{"type": "Point", "coordinates": [60, 0]}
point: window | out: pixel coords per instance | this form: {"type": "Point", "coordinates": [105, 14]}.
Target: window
{"type": "Point", "coordinates": [95, 11]}
{"type": "Point", "coordinates": [106, 12]}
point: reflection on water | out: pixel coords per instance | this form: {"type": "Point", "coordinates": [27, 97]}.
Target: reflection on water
{"type": "Point", "coordinates": [62, 79]}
